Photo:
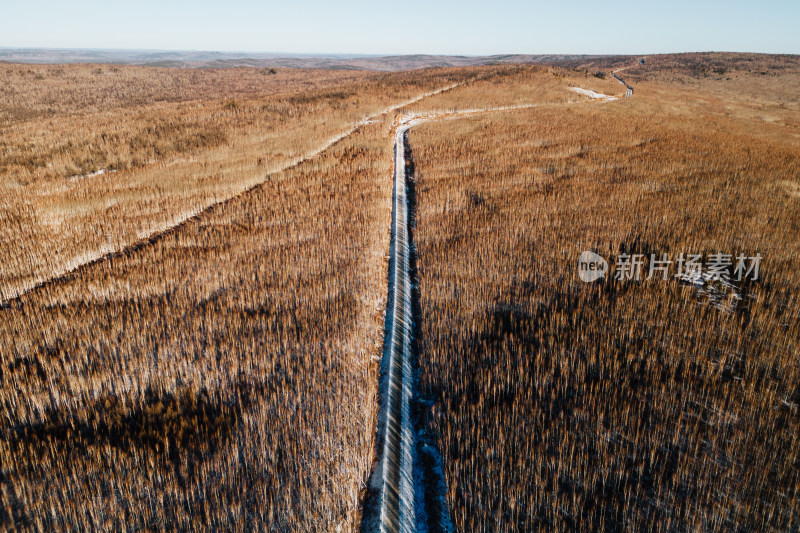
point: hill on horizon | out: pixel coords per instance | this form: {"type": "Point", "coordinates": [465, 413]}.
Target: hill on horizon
{"type": "Point", "coordinates": [211, 59]}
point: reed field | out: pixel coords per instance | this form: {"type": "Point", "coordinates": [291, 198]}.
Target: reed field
{"type": "Point", "coordinates": [194, 273]}
{"type": "Point", "coordinates": [221, 377]}
{"type": "Point", "coordinates": [618, 405]}
{"type": "Point", "coordinates": [170, 143]}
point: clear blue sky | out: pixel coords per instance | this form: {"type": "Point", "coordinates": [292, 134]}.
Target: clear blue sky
{"type": "Point", "coordinates": [370, 27]}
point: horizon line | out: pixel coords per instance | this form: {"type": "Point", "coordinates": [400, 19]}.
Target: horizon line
{"type": "Point", "coordinates": [375, 55]}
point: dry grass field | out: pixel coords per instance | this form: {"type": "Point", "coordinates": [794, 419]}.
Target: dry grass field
{"type": "Point", "coordinates": [518, 86]}
{"type": "Point", "coordinates": [221, 377]}
{"type": "Point", "coordinates": [173, 142]}
{"type": "Point", "coordinates": [191, 340]}
{"type": "Point", "coordinates": [618, 405]}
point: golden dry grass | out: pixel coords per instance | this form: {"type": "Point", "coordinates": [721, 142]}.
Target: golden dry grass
{"type": "Point", "coordinates": [180, 141]}
{"type": "Point", "coordinates": [222, 374]}
{"type": "Point", "coordinates": [222, 377]}
{"type": "Point", "coordinates": [518, 85]}
{"type": "Point", "coordinates": [620, 405]}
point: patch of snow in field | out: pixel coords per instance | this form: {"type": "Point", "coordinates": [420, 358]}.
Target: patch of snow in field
{"type": "Point", "coordinates": [593, 95]}
{"type": "Point", "coordinates": [91, 174]}
{"type": "Point", "coordinates": [721, 292]}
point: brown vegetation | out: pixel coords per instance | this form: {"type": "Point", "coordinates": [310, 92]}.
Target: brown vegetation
{"type": "Point", "coordinates": [518, 85]}
{"type": "Point", "coordinates": [178, 141]}
{"type": "Point", "coordinates": [222, 377]}
{"type": "Point", "coordinates": [222, 374]}
{"type": "Point", "coordinates": [635, 406]}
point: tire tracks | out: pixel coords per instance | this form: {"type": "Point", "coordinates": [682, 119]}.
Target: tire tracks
{"type": "Point", "coordinates": [398, 493]}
